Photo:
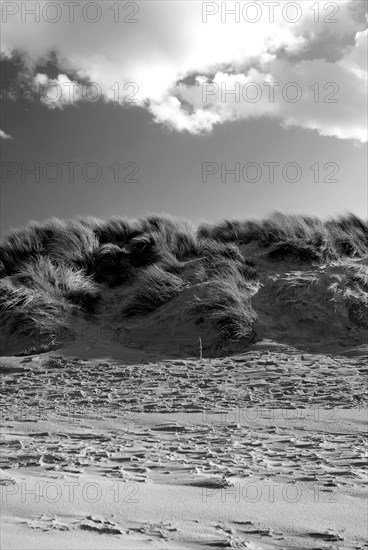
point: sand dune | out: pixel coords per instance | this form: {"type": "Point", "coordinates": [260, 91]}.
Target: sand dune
{"type": "Point", "coordinates": [165, 429]}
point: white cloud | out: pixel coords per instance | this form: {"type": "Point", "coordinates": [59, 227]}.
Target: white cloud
{"type": "Point", "coordinates": [4, 135]}
{"type": "Point", "coordinates": [169, 112]}
{"type": "Point", "coordinates": [145, 62]}
{"type": "Point", "coordinates": [56, 92]}
{"type": "Point", "coordinates": [327, 97]}
{"type": "Point", "coordinates": [347, 117]}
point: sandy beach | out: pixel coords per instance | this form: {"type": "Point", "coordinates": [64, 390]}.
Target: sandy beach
{"type": "Point", "coordinates": [265, 449]}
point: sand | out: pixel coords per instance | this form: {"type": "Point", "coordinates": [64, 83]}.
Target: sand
{"type": "Point", "coordinates": [105, 446]}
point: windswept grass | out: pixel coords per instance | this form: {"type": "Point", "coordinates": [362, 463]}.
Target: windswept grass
{"type": "Point", "coordinates": [303, 237]}
{"type": "Point", "coordinates": [65, 242]}
{"type": "Point", "coordinates": [215, 250]}
{"type": "Point", "coordinates": [69, 243]}
{"type": "Point", "coordinates": [59, 281]}
{"type": "Point", "coordinates": [153, 288]}
{"type": "Point", "coordinates": [227, 305]}
{"type": "Point", "coordinates": [351, 289]}
{"type": "Point", "coordinates": [21, 245]}
{"type": "Point", "coordinates": [40, 297]}
{"type": "Point", "coordinates": [35, 314]}
{"type": "Point", "coordinates": [54, 269]}
{"type": "Point", "coordinates": [116, 230]}
{"type": "Point", "coordinates": [148, 249]}
{"type": "Point", "coordinates": [178, 235]}
{"type": "Point", "coordinates": [224, 268]}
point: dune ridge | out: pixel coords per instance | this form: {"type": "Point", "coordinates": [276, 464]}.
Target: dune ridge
{"type": "Point", "coordinates": [228, 283]}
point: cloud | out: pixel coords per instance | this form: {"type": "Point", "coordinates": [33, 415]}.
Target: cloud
{"type": "Point", "coordinates": [147, 63]}
{"type": "Point", "coordinates": [312, 94]}
{"type": "Point", "coordinates": [343, 111]}
{"type": "Point", "coordinates": [57, 92]}
{"type": "Point", "coordinates": [4, 135]}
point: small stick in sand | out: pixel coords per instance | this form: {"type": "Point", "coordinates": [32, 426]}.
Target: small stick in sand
{"type": "Point", "coordinates": [200, 348]}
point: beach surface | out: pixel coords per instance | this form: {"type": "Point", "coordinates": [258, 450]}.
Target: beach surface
{"type": "Point", "coordinates": [262, 449]}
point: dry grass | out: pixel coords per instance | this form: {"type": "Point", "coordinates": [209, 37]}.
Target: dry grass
{"type": "Point", "coordinates": [303, 237]}
{"type": "Point", "coordinates": [227, 306]}
{"type": "Point", "coordinates": [40, 297]}
{"type": "Point", "coordinates": [351, 289]}
{"type": "Point", "coordinates": [152, 288]}
{"type": "Point", "coordinates": [50, 270]}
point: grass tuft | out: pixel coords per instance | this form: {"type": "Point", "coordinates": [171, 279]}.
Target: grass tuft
{"type": "Point", "coordinates": [152, 288]}
{"type": "Point", "coordinates": [40, 297]}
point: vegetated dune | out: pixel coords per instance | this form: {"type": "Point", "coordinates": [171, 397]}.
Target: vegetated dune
{"type": "Point", "coordinates": [126, 438]}
{"type": "Point", "coordinates": [160, 284]}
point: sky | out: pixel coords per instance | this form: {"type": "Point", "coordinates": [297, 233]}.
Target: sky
{"type": "Point", "coordinates": [203, 110]}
